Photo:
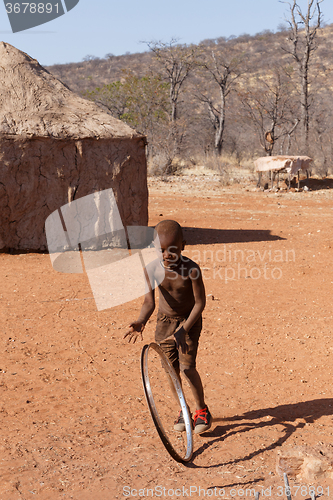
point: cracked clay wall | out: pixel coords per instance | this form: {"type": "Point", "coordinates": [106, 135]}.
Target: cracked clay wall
{"type": "Point", "coordinates": [39, 175]}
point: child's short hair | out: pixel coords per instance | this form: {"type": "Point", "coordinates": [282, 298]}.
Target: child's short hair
{"type": "Point", "coordinates": [170, 227]}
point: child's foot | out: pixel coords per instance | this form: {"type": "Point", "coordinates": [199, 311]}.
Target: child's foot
{"type": "Point", "coordinates": [179, 425]}
{"type": "Point", "coordinates": [202, 420]}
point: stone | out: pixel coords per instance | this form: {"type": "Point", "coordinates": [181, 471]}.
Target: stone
{"type": "Point", "coordinates": [305, 462]}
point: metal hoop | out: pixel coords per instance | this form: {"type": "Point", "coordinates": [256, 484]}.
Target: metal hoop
{"type": "Point", "coordinates": [152, 407]}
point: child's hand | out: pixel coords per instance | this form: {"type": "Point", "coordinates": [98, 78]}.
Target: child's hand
{"type": "Point", "coordinates": [180, 340]}
{"type": "Point", "coordinates": [135, 330]}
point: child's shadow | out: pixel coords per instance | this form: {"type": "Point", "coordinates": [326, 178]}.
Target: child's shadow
{"type": "Point", "coordinates": [284, 415]}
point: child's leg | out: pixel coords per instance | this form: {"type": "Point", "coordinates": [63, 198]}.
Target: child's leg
{"type": "Point", "coordinates": [202, 418]}
{"type": "Point", "coordinates": [172, 387]}
{"type": "Point", "coordinates": [170, 350]}
{"type": "Point", "coordinates": [187, 364]}
{"type": "Point", "coordinates": [195, 384]}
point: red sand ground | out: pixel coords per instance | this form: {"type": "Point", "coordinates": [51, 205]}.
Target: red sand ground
{"type": "Point", "coordinates": [74, 421]}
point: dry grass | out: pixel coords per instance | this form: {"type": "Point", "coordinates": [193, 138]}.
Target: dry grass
{"type": "Point", "coordinates": [225, 167]}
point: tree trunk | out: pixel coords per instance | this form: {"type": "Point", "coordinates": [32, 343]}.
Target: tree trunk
{"type": "Point", "coordinates": [173, 111]}
{"type": "Point", "coordinates": [220, 128]}
{"type": "Point", "coordinates": [305, 109]}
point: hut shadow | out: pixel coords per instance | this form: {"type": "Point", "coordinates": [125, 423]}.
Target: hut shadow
{"type": "Point", "coordinates": [207, 236]}
{"type": "Point", "coordinates": [23, 251]}
{"type": "Point", "coordinates": [197, 236]}
{"type": "Point", "coordinates": [291, 417]}
{"type": "Point", "coordinates": [317, 184]}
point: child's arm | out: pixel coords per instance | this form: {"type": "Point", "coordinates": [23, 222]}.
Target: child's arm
{"type": "Point", "coordinates": [199, 305]}
{"type": "Point", "coordinates": [136, 328]}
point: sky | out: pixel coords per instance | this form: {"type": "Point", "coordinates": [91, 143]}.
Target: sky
{"type": "Point", "coordinates": [99, 27]}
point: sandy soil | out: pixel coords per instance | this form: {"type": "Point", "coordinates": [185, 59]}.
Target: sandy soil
{"type": "Point", "coordinates": [74, 421]}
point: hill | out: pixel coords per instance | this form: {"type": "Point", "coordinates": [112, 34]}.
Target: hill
{"type": "Point", "coordinates": [264, 69]}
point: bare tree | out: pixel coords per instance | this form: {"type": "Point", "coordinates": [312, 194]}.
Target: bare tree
{"type": "Point", "coordinates": [177, 61]}
{"type": "Point", "coordinates": [223, 72]}
{"type": "Point", "coordinates": [302, 37]}
{"type": "Point", "coordinates": [270, 107]}
{"type": "Point", "coordinates": [321, 132]}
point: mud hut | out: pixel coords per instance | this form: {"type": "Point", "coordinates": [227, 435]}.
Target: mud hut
{"type": "Point", "coordinates": [55, 147]}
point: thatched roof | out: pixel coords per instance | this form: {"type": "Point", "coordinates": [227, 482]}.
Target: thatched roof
{"type": "Point", "coordinates": [33, 103]}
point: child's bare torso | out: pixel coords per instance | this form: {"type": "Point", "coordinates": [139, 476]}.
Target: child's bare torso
{"type": "Point", "coordinates": [176, 296]}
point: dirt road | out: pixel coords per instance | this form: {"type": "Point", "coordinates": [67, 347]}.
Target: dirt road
{"type": "Point", "coordinates": [74, 422]}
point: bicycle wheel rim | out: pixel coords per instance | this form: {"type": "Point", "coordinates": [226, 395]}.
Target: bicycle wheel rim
{"type": "Point", "coordinates": [152, 406]}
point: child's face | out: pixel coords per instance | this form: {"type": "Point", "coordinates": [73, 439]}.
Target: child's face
{"type": "Point", "coordinates": [169, 249]}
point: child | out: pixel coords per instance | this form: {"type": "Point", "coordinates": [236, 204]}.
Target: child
{"type": "Point", "coordinates": [181, 301]}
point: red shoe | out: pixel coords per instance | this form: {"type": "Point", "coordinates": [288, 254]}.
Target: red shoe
{"type": "Point", "coordinates": [202, 420]}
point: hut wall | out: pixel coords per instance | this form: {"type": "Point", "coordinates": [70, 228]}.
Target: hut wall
{"type": "Point", "coordinates": [39, 175]}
